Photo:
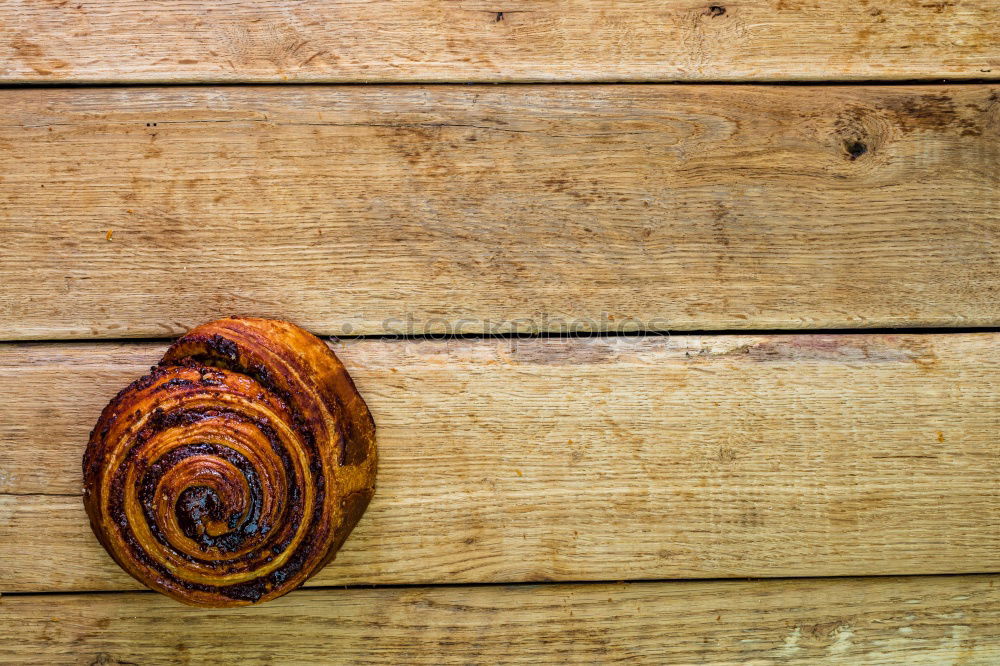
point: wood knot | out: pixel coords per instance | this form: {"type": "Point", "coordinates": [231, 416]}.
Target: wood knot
{"type": "Point", "coordinates": [855, 149]}
{"type": "Point", "coordinates": [860, 132]}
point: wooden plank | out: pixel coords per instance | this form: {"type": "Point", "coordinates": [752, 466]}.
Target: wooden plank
{"type": "Point", "coordinates": [422, 40]}
{"type": "Point", "coordinates": [588, 459]}
{"type": "Point", "coordinates": [373, 210]}
{"type": "Point", "coordinates": [953, 619]}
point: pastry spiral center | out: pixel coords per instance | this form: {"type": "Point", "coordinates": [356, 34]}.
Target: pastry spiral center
{"type": "Point", "coordinates": [202, 515]}
{"type": "Point", "coordinates": [219, 504]}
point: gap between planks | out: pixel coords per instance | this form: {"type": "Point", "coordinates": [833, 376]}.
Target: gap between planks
{"type": "Point", "coordinates": [547, 335]}
{"type": "Point", "coordinates": [770, 83]}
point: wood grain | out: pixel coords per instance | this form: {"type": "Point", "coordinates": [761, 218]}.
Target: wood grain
{"type": "Point", "coordinates": [472, 40]}
{"type": "Point", "coordinates": [373, 210]}
{"type": "Point", "coordinates": [953, 619]}
{"type": "Point", "coordinates": [588, 459]}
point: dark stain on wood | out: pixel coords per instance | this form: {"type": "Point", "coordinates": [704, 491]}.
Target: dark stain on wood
{"type": "Point", "coordinates": [931, 112]}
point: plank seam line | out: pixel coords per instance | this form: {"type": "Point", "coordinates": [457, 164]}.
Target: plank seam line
{"type": "Point", "coordinates": [903, 330]}
{"type": "Point", "coordinates": [10, 494]}
{"type": "Point", "coordinates": [85, 84]}
{"type": "Point", "coordinates": [554, 583]}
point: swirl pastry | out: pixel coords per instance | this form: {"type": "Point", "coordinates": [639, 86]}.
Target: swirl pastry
{"type": "Point", "coordinates": [236, 468]}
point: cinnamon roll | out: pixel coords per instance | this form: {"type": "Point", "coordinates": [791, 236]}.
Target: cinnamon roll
{"type": "Point", "coordinates": [236, 468]}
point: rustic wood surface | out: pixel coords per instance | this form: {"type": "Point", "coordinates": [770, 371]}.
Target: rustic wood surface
{"type": "Point", "coordinates": [138, 212]}
{"type": "Point", "coordinates": [517, 40]}
{"type": "Point", "coordinates": [142, 212]}
{"type": "Point", "coordinates": [937, 620]}
{"type": "Point", "coordinates": [588, 459]}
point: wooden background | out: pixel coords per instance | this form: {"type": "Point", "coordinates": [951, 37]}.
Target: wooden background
{"type": "Point", "coordinates": [682, 342]}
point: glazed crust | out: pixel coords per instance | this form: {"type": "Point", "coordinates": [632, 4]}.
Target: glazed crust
{"type": "Point", "coordinates": [236, 468]}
